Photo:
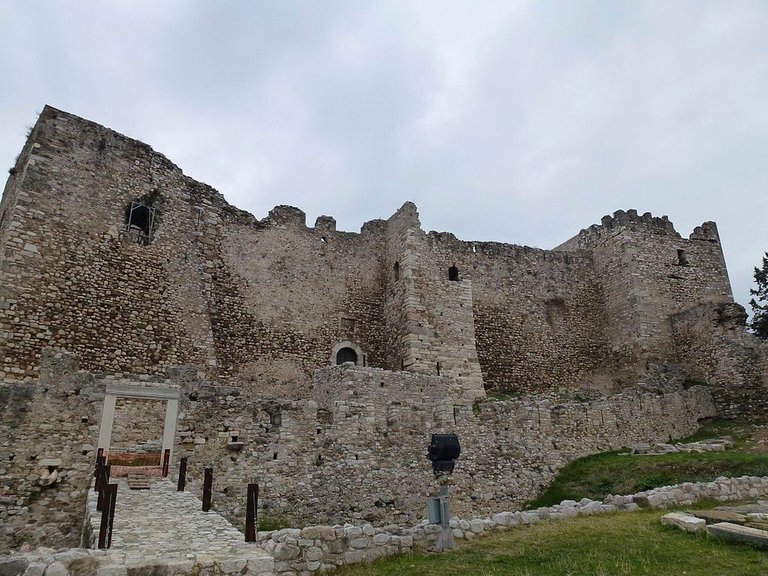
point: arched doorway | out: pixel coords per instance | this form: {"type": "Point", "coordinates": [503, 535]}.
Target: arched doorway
{"type": "Point", "coordinates": [346, 355]}
{"type": "Point", "coordinates": [347, 351]}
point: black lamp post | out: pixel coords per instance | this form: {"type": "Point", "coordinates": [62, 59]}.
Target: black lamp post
{"type": "Point", "coordinates": [443, 451]}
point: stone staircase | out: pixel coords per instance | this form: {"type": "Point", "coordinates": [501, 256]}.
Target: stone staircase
{"type": "Point", "coordinates": [138, 481]}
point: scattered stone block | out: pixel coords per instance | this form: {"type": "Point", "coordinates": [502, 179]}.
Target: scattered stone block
{"type": "Point", "coordinates": [742, 534]}
{"type": "Point", "coordinates": [684, 521]}
{"type": "Point", "coordinates": [715, 516]}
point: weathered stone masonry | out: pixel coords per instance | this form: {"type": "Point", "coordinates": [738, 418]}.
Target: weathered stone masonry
{"type": "Point", "coordinates": [628, 332]}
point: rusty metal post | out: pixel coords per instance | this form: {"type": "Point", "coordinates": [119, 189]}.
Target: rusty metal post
{"type": "Point", "coordinates": [97, 470]}
{"type": "Point", "coordinates": [207, 486]}
{"type": "Point", "coordinates": [112, 494]}
{"type": "Point", "coordinates": [101, 483]}
{"type": "Point", "coordinates": [107, 510]}
{"type": "Point", "coordinates": [182, 475]}
{"type": "Point", "coordinates": [251, 511]}
{"type": "Point", "coordinates": [166, 462]}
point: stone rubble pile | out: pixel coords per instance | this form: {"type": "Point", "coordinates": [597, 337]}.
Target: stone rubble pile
{"type": "Point", "coordinates": [713, 445]}
{"type": "Point", "coordinates": [741, 524]}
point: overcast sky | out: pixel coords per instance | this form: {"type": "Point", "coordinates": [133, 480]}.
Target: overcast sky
{"type": "Point", "coordinates": [518, 122]}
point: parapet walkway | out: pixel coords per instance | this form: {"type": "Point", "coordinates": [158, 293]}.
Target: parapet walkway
{"type": "Point", "coordinates": [161, 525]}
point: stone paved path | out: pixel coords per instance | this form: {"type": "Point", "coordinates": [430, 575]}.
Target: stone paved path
{"type": "Point", "coordinates": [161, 523]}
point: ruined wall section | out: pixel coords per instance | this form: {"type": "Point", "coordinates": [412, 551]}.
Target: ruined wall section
{"type": "Point", "coordinates": [362, 455]}
{"type": "Point", "coordinates": [713, 346]}
{"type": "Point", "coordinates": [371, 385]}
{"type": "Point", "coordinates": [49, 426]}
{"type": "Point", "coordinates": [244, 300]}
{"type": "Point", "coordinates": [281, 295]}
{"type": "Point", "coordinates": [650, 272]}
{"type": "Point", "coordinates": [538, 315]}
{"type": "Point", "coordinates": [74, 281]}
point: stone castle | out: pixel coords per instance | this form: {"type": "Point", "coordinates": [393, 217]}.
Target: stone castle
{"type": "Point", "coordinates": [138, 306]}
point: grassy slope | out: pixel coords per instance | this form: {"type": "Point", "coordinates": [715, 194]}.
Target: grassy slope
{"type": "Point", "coordinates": [612, 544]}
{"type": "Point", "coordinates": [613, 473]}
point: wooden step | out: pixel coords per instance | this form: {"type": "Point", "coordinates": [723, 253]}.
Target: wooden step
{"type": "Point", "coordinates": [138, 481]}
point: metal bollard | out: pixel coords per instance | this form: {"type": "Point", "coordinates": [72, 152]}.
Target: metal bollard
{"type": "Point", "coordinates": [166, 462]}
{"type": "Point", "coordinates": [182, 475]}
{"type": "Point", "coordinates": [251, 512]}
{"type": "Point", "coordinates": [107, 515]}
{"type": "Point", "coordinates": [207, 486]}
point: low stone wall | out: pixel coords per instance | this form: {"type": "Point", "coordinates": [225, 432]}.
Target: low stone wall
{"type": "Point", "coordinates": [722, 489]}
{"type": "Point", "coordinates": [317, 548]}
{"type": "Point", "coordinates": [80, 562]}
{"type": "Point", "coordinates": [323, 547]}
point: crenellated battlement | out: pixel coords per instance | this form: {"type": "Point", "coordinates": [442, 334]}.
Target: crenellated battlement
{"type": "Point", "coordinates": [620, 221]}
{"type": "Point", "coordinates": [707, 231]}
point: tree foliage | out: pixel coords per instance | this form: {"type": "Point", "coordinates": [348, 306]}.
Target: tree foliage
{"type": "Point", "coordinates": [759, 302]}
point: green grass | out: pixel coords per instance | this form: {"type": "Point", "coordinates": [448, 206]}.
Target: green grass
{"type": "Point", "coordinates": [618, 473]}
{"type": "Point", "coordinates": [267, 523]}
{"type": "Point", "coordinates": [611, 544]}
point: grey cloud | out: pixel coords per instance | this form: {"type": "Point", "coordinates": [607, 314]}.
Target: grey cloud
{"type": "Point", "coordinates": [512, 121]}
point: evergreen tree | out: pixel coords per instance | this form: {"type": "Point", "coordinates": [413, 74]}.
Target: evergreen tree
{"type": "Point", "coordinates": [759, 323]}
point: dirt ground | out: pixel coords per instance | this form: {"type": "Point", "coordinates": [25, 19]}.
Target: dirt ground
{"type": "Point", "coordinates": [760, 439]}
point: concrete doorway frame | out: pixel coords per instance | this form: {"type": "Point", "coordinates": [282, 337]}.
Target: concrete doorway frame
{"type": "Point", "coordinates": [114, 391]}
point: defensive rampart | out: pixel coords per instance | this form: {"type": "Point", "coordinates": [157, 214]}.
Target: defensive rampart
{"type": "Point", "coordinates": [354, 454]}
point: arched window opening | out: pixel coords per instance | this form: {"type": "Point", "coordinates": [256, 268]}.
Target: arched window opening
{"type": "Point", "coordinates": [682, 260]}
{"type": "Point", "coordinates": [346, 355]}
{"type": "Point", "coordinates": [453, 273]}
{"type": "Point", "coordinates": [397, 270]}
{"type": "Point", "coordinates": [139, 222]}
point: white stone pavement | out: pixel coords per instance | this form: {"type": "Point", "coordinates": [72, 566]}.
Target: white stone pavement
{"type": "Point", "coordinates": [162, 525]}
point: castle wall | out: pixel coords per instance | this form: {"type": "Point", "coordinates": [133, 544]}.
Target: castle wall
{"type": "Point", "coordinates": [361, 456]}
{"type": "Point", "coordinates": [357, 453]}
{"type": "Point", "coordinates": [71, 281]}
{"type": "Point", "coordinates": [239, 298]}
{"type": "Point", "coordinates": [649, 272]}
{"type": "Point", "coordinates": [713, 345]}
{"type": "Point", "coordinates": [538, 315]}
{"type": "Point", "coordinates": [261, 303]}
{"type": "Point", "coordinates": [282, 291]}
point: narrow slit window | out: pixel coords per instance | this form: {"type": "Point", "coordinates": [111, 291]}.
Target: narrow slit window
{"type": "Point", "coordinates": [397, 270]}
